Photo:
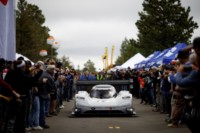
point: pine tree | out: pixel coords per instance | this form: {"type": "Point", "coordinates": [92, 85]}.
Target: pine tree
{"type": "Point", "coordinates": [89, 66]}
{"type": "Point", "coordinates": [129, 48]}
{"type": "Point", "coordinates": [31, 35]}
{"type": "Point", "coordinates": [162, 24]}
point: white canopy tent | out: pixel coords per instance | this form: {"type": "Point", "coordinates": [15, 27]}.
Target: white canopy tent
{"type": "Point", "coordinates": [115, 68]}
{"type": "Point", "coordinates": [133, 60]}
{"type": "Point", "coordinates": [25, 58]}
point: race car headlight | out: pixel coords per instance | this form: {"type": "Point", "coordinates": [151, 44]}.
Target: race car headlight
{"type": "Point", "coordinates": [126, 97]}
{"type": "Point", "coordinates": [80, 98]}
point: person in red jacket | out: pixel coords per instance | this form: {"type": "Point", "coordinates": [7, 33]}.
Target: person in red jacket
{"type": "Point", "coordinates": [141, 80]}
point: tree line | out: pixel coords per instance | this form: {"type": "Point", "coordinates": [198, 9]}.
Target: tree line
{"type": "Point", "coordinates": [161, 25]}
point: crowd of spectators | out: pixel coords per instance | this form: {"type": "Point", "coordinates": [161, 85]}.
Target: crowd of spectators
{"type": "Point", "coordinates": [31, 92]}
{"type": "Point", "coordinates": [173, 89]}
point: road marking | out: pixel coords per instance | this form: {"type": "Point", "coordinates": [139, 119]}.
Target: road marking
{"type": "Point", "coordinates": [112, 127]}
{"type": "Point", "coordinates": [117, 127]}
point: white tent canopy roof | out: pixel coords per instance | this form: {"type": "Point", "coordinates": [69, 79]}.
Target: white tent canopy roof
{"type": "Point", "coordinates": [133, 60]}
{"type": "Point", "coordinates": [25, 58]}
{"type": "Point", "coordinates": [115, 68]}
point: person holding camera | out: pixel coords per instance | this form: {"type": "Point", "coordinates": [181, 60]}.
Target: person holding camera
{"type": "Point", "coordinates": [178, 92]}
{"type": "Point", "coordinates": [33, 120]}
{"type": "Point", "coordinates": [192, 81]}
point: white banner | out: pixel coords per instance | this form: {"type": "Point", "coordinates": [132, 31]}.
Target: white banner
{"type": "Point", "coordinates": [7, 30]}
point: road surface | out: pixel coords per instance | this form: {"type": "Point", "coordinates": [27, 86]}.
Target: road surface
{"type": "Point", "coordinates": [146, 121]}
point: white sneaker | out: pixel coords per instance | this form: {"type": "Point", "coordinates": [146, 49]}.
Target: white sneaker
{"type": "Point", "coordinates": [61, 107]}
{"type": "Point", "coordinates": [134, 113]}
{"type": "Point", "coordinates": [28, 128]}
{"type": "Point", "coordinates": [37, 128]}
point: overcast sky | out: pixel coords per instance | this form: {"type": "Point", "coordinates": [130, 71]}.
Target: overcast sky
{"type": "Point", "coordinates": [83, 28]}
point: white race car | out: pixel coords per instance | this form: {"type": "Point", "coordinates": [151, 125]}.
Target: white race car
{"type": "Point", "coordinates": [103, 99]}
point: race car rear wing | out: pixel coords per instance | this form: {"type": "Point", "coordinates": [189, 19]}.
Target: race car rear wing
{"type": "Point", "coordinates": [86, 85]}
{"type": "Point", "coordinates": [96, 82]}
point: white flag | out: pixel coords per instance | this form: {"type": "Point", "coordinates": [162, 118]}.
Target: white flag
{"type": "Point", "coordinates": [7, 30]}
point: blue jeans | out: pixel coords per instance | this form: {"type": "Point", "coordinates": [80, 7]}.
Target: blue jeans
{"type": "Point", "coordinates": [153, 96]}
{"type": "Point", "coordinates": [47, 105]}
{"type": "Point", "coordinates": [60, 92]}
{"type": "Point", "coordinates": [43, 103]}
{"type": "Point", "coordinates": [69, 93]}
{"type": "Point", "coordinates": [34, 112]}
{"type": "Point", "coordinates": [166, 102]}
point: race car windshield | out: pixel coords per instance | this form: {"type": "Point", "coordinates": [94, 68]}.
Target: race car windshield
{"type": "Point", "coordinates": [102, 94]}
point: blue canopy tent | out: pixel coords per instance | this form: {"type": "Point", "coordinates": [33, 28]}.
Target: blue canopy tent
{"type": "Point", "coordinates": [173, 53]}
{"type": "Point", "coordinates": [143, 63]}
{"type": "Point", "coordinates": [154, 60]}
{"type": "Point", "coordinates": [167, 55]}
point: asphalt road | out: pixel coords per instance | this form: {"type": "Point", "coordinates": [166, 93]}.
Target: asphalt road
{"type": "Point", "coordinates": [146, 121]}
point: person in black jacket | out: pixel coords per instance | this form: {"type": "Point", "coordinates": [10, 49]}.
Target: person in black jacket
{"type": "Point", "coordinates": [18, 81]}
{"type": "Point", "coordinates": [47, 91]}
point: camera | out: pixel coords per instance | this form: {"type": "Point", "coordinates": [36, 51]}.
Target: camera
{"type": "Point", "coordinates": [183, 54]}
{"type": "Point", "coordinates": [187, 67]}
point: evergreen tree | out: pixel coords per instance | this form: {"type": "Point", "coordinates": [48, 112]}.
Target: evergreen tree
{"type": "Point", "coordinates": [89, 66]}
{"type": "Point", "coordinates": [66, 62]}
{"type": "Point", "coordinates": [162, 24]}
{"type": "Point", "coordinates": [128, 49]}
{"type": "Point", "coordinates": [31, 35]}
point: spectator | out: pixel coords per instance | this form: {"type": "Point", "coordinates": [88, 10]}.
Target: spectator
{"type": "Point", "coordinates": [47, 86]}
{"type": "Point", "coordinates": [178, 92]}
{"type": "Point", "coordinates": [192, 80]}
{"type": "Point", "coordinates": [17, 79]}
{"type": "Point", "coordinates": [36, 72]}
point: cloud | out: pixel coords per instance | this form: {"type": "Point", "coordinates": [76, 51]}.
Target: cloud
{"type": "Point", "coordinates": [88, 8]}
{"type": "Point", "coordinates": [88, 38]}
